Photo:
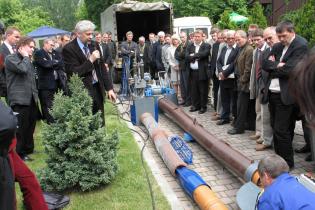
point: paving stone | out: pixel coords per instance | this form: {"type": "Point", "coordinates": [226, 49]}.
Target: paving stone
{"type": "Point", "coordinates": [224, 183]}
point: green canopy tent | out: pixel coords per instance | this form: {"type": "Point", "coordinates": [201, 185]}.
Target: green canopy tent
{"type": "Point", "coordinates": [237, 18]}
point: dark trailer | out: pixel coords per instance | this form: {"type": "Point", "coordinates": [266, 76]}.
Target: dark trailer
{"type": "Point", "coordinates": [139, 17]}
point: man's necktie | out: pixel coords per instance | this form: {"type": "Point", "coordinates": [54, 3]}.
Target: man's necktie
{"type": "Point", "coordinates": [86, 52]}
{"type": "Point", "coordinates": [87, 55]}
{"type": "Point", "coordinates": [257, 64]}
{"type": "Point", "coordinates": [14, 48]}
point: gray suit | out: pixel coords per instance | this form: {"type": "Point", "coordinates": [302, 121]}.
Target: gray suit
{"type": "Point", "coordinates": [22, 97]}
{"type": "Point", "coordinates": [20, 78]}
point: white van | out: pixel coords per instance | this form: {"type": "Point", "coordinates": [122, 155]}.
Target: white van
{"type": "Point", "coordinates": [190, 24]}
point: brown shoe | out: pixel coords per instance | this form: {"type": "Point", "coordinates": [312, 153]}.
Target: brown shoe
{"type": "Point", "coordinates": [254, 137]}
{"type": "Point", "coordinates": [214, 114]}
{"type": "Point", "coordinates": [261, 147]}
{"type": "Point", "coordinates": [215, 118]}
{"type": "Point", "coordinates": [259, 141]}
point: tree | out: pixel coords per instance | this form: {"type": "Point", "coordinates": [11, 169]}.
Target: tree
{"type": "Point", "coordinates": [28, 20]}
{"type": "Point", "coordinates": [61, 12]}
{"type": "Point", "coordinates": [8, 9]}
{"type": "Point", "coordinates": [224, 22]}
{"type": "Point", "coordinates": [12, 12]}
{"type": "Point", "coordinates": [257, 15]}
{"type": "Point", "coordinates": [303, 21]}
{"type": "Point", "coordinates": [80, 154]}
{"type": "Point", "coordinates": [81, 12]}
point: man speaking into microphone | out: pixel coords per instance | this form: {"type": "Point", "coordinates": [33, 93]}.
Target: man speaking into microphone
{"type": "Point", "coordinates": [85, 61]}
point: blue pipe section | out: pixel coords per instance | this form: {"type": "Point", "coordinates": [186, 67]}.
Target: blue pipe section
{"type": "Point", "coordinates": [190, 180]}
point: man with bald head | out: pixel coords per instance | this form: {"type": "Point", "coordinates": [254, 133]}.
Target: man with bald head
{"type": "Point", "coordinates": [243, 66]}
{"type": "Point", "coordinates": [266, 138]}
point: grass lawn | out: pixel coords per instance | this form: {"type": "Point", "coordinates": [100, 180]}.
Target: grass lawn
{"type": "Point", "coordinates": [129, 190]}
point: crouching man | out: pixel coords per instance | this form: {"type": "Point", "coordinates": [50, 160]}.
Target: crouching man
{"type": "Point", "coordinates": [282, 191]}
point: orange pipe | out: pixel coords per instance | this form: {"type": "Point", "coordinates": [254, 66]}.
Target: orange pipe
{"type": "Point", "coordinates": [256, 178]}
{"type": "Point", "coordinates": [207, 199]}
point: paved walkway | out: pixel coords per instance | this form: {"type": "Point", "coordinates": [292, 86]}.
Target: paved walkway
{"type": "Point", "coordinates": [222, 181]}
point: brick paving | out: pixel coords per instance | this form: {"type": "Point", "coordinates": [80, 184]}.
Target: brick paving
{"type": "Point", "coordinates": [223, 182]}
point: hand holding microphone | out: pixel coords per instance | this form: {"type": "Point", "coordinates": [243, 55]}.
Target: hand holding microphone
{"type": "Point", "coordinates": [94, 56]}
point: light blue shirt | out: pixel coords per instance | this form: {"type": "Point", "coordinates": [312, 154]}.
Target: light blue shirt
{"type": "Point", "coordinates": [81, 45]}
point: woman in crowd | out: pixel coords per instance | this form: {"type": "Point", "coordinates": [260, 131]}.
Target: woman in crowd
{"type": "Point", "coordinates": [174, 65]}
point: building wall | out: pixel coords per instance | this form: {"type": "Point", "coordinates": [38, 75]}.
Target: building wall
{"type": "Point", "coordinates": [279, 7]}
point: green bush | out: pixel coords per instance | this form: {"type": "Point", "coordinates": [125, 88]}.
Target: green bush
{"type": "Point", "coordinates": [303, 20]}
{"type": "Point", "coordinates": [257, 15]}
{"type": "Point", "coordinates": [80, 154]}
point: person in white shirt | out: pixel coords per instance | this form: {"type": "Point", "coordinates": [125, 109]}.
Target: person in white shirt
{"type": "Point", "coordinates": [8, 47]}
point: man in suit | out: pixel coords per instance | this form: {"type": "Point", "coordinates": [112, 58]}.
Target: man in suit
{"type": "Point", "coordinates": [65, 39]}
{"type": "Point", "coordinates": [8, 47]}
{"type": "Point", "coordinates": [85, 61]}
{"type": "Point", "coordinates": [157, 53]}
{"type": "Point", "coordinates": [225, 66]}
{"type": "Point", "coordinates": [255, 78]}
{"type": "Point", "coordinates": [23, 94]}
{"type": "Point", "coordinates": [185, 87]}
{"type": "Point", "coordinates": [266, 139]}
{"type": "Point", "coordinates": [48, 62]}
{"type": "Point", "coordinates": [281, 61]}
{"type": "Point", "coordinates": [197, 54]}
{"type": "Point", "coordinates": [142, 51]}
{"type": "Point", "coordinates": [104, 50]}
{"type": "Point", "coordinates": [112, 45]}
{"type": "Point", "coordinates": [213, 65]}
{"type": "Point", "coordinates": [150, 61]}
{"type": "Point", "coordinates": [222, 43]}
{"type": "Point", "coordinates": [108, 44]}
{"type": "Point", "coordinates": [243, 66]}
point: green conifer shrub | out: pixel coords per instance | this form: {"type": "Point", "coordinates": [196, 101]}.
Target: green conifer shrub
{"type": "Point", "coordinates": [80, 154]}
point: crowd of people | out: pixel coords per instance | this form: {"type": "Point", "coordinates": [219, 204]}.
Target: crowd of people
{"type": "Point", "coordinates": [247, 76]}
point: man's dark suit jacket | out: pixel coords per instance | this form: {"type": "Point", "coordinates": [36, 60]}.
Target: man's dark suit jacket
{"type": "Point", "coordinates": [180, 55]}
{"type": "Point", "coordinates": [107, 54]}
{"type": "Point", "coordinates": [20, 79]}
{"type": "Point", "coordinates": [45, 68]}
{"type": "Point", "coordinates": [214, 58]}
{"type": "Point", "coordinates": [203, 59]}
{"type": "Point", "coordinates": [4, 52]}
{"type": "Point", "coordinates": [297, 49]}
{"type": "Point", "coordinates": [228, 82]}
{"type": "Point", "coordinates": [157, 56]}
{"type": "Point", "coordinates": [76, 63]}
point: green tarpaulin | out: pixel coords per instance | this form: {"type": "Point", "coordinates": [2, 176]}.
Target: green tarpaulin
{"type": "Point", "coordinates": [237, 18]}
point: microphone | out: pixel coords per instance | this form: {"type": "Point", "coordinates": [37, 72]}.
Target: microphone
{"type": "Point", "coordinates": [92, 47]}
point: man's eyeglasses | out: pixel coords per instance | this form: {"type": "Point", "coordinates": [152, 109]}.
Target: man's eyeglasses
{"type": "Point", "coordinates": [268, 38]}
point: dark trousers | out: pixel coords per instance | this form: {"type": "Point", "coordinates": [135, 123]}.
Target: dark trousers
{"type": "Point", "coordinates": [98, 101]}
{"type": "Point", "coordinates": [32, 193]}
{"type": "Point", "coordinates": [251, 115]}
{"type": "Point", "coordinates": [199, 90]}
{"type": "Point", "coordinates": [46, 98]}
{"type": "Point", "coordinates": [242, 110]}
{"type": "Point", "coordinates": [184, 86]}
{"type": "Point", "coordinates": [282, 118]}
{"type": "Point", "coordinates": [307, 132]}
{"type": "Point", "coordinates": [228, 100]}
{"type": "Point", "coordinates": [215, 89]}
{"type": "Point", "coordinates": [27, 116]}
